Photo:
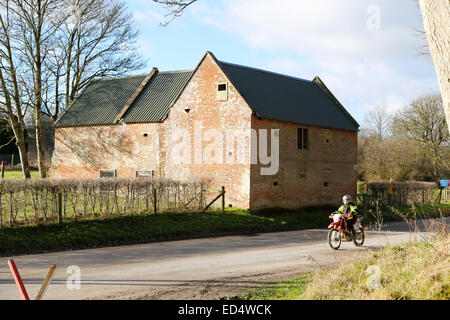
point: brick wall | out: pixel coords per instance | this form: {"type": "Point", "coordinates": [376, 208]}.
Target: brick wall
{"type": "Point", "coordinates": [206, 114]}
{"type": "Point", "coordinates": [303, 173]}
{"type": "Point", "coordinates": [81, 152]}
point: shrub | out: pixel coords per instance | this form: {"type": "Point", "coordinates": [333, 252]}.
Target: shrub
{"type": "Point", "coordinates": [37, 201]}
{"type": "Point", "coordinates": [404, 193]}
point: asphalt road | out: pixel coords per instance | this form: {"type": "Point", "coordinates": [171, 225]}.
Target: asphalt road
{"type": "Point", "coordinates": [192, 269]}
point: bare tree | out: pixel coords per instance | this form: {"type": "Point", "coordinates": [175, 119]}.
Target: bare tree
{"type": "Point", "coordinates": [12, 105]}
{"type": "Point", "coordinates": [51, 49]}
{"type": "Point", "coordinates": [97, 39]}
{"type": "Point", "coordinates": [424, 122]}
{"type": "Point", "coordinates": [174, 8]}
{"type": "Point", "coordinates": [31, 32]}
{"type": "Point", "coordinates": [436, 16]}
{"type": "Point", "coordinates": [378, 122]}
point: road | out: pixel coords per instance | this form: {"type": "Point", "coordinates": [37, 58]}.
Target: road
{"type": "Point", "coordinates": [191, 269]}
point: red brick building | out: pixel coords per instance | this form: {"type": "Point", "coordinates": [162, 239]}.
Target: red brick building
{"type": "Point", "coordinates": [215, 122]}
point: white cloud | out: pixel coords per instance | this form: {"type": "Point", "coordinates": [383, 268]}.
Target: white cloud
{"type": "Point", "coordinates": [148, 16]}
{"type": "Point", "coordinates": [331, 39]}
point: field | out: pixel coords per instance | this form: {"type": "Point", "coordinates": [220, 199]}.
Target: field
{"type": "Point", "coordinates": [17, 174]}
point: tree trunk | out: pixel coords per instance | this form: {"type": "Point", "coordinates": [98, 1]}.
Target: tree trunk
{"type": "Point", "coordinates": [24, 159]}
{"type": "Point", "coordinates": [18, 129]}
{"type": "Point", "coordinates": [436, 17]}
{"type": "Point", "coordinates": [38, 91]}
{"type": "Point", "coordinates": [40, 145]}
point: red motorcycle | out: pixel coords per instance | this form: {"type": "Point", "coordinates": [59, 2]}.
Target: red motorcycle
{"type": "Point", "coordinates": [339, 231]}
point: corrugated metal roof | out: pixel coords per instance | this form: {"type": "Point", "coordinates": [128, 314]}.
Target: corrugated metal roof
{"type": "Point", "coordinates": [270, 95]}
{"type": "Point", "coordinates": [279, 97]}
{"type": "Point", "coordinates": [100, 102]}
{"type": "Point", "coordinates": [153, 104]}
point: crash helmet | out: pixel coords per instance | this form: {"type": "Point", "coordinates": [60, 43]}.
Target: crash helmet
{"type": "Point", "coordinates": [347, 199]}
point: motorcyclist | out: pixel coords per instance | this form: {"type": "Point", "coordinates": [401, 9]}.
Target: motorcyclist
{"type": "Point", "coordinates": [350, 212]}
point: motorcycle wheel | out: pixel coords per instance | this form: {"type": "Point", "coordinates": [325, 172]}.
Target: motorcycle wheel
{"type": "Point", "coordinates": [334, 239]}
{"type": "Point", "coordinates": [359, 238]}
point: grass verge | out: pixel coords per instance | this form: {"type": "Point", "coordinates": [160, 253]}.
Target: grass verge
{"type": "Point", "coordinates": [412, 271]}
{"type": "Point", "coordinates": [152, 228]}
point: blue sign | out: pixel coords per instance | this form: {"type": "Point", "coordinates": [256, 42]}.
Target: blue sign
{"type": "Point", "coordinates": [445, 183]}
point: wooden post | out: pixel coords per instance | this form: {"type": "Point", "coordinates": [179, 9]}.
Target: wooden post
{"type": "Point", "coordinates": [60, 208]}
{"type": "Point", "coordinates": [12, 160]}
{"type": "Point", "coordinates": [223, 199]}
{"type": "Point", "coordinates": [390, 197]}
{"type": "Point", "coordinates": [365, 205]}
{"type": "Point", "coordinates": [154, 201]}
{"type": "Point", "coordinates": [3, 170]}
{"type": "Point", "coordinates": [364, 190]}
{"type": "Point", "coordinates": [46, 282]}
{"type": "Point", "coordinates": [18, 280]}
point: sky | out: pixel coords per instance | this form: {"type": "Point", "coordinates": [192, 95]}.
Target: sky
{"type": "Point", "coordinates": [366, 51]}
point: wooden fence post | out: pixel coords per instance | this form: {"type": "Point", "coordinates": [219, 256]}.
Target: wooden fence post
{"type": "Point", "coordinates": [221, 195]}
{"type": "Point", "coordinates": [3, 170]}
{"type": "Point", "coordinates": [365, 205]}
{"type": "Point", "coordinates": [60, 208]}
{"type": "Point", "coordinates": [154, 201]}
{"type": "Point", "coordinates": [364, 200]}
{"type": "Point", "coordinates": [390, 195]}
{"type": "Point", "coordinates": [223, 199]}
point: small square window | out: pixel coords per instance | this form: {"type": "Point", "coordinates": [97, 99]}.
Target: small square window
{"type": "Point", "coordinates": [108, 173]}
{"type": "Point", "coordinates": [326, 184]}
{"type": "Point", "coordinates": [222, 92]}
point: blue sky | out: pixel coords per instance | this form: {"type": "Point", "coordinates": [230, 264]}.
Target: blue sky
{"type": "Point", "coordinates": [365, 51]}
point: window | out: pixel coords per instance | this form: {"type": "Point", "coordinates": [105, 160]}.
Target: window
{"type": "Point", "coordinates": [222, 92]}
{"type": "Point", "coordinates": [303, 139]}
{"type": "Point", "coordinates": [108, 173]}
{"type": "Point", "coordinates": [145, 174]}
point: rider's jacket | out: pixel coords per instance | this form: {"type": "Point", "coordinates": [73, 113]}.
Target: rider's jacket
{"type": "Point", "coordinates": [349, 210]}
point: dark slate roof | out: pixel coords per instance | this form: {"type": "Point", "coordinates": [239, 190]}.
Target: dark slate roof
{"type": "Point", "coordinates": [100, 102]}
{"type": "Point", "coordinates": [270, 95]}
{"type": "Point", "coordinates": [280, 97]}
{"type": "Point", "coordinates": [154, 103]}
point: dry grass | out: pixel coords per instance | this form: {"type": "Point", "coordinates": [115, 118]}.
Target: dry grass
{"type": "Point", "coordinates": [414, 271]}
